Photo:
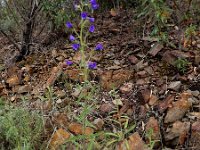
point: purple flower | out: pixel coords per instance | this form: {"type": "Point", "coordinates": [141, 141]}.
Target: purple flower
{"type": "Point", "coordinates": [92, 28]}
{"type": "Point", "coordinates": [91, 19]}
{"type": "Point", "coordinates": [94, 4]}
{"type": "Point", "coordinates": [71, 38]}
{"type": "Point", "coordinates": [75, 46]}
{"type": "Point", "coordinates": [69, 25]}
{"type": "Point", "coordinates": [93, 1]}
{"type": "Point", "coordinates": [99, 47]}
{"type": "Point", "coordinates": [83, 15]}
{"type": "Point", "coordinates": [68, 62]}
{"type": "Point", "coordinates": [92, 65]}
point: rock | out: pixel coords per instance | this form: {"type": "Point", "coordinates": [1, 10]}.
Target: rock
{"type": "Point", "coordinates": [75, 75]}
{"type": "Point", "coordinates": [60, 119]}
{"type": "Point", "coordinates": [54, 53]}
{"type": "Point", "coordinates": [195, 114]}
{"type": "Point", "coordinates": [194, 100]}
{"type": "Point", "coordinates": [42, 105]}
{"type": "Point", "coordinates": [153, 100]}
{"type": "Point", "coordinates": [142, 74]}
{"type": "Point", "coordinates": [60, 58]}
{"type": "Point", "coordinates": [77, 129]}
{"type": "Point", "coordinates": [171, 56]}
{"type": "Point", "coordinates": [77, 57]}
{"type": "Point", "coordinates": [117, 102]}
{"type": "Point", "coordinates": [134, 142]}
{"type": "Point", "coordinates": [140, 65]}
{"type": "Point", "coordinates": [195, 93]}
{"type": "Point", "coordinates": [149, 70]}
{"type": "Point", "coordinates": [113, 79]}
{"type": "Point", "coordinates": [175, 85]}
{"type": "Point", "coordinates": [179, 108]}
{"type": "Point", "coordinates": [140, 81]}
{"type": "Point", "coordinates": [153, 125]}
{"type": "Point", "coordinates": [115, 67]}
{"type": "Point", "coordinates": [54, 75]}
{"type": "Point", "coordinates": [59, 138]}
{"type": "Point", "coordinates": [195, 135]}
{"type": "Point", "coordinates": [106, 108]}
{"type": "Point", "coordinates": [166, 103]}
{"type": "Point", "coordinates": [197, 59]}
{"type": "Point", "coordinates": [155, 49]}
{"type": "Point", "coordinates": [61, 94]}
{"type": "Point", "coordinates": [22, 89]}
{"type": "Point", "coordinates": [144, 96]}
{"type": "Point", "coordinates": [134, 60]}
{"type": "Point", "coordinates": [179, 130]}
{"type": "Point", "coordinates": [13, 80]}
{"type": "Point", "coordinates": [98, 123]}
{"type": "Point", "coordinates": [126, 88]}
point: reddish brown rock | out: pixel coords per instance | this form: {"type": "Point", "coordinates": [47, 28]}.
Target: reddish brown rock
{"type": "Point", "coordinates": [58, 138]}
{"type": "Point", "coordinates": [133, 59]}
{"type": "Point", "coordinates": [153, 125]}
{"type": "Point", "coordinates": [22, 89]}
{"type": "Point", "coordinates": [106, 108]}
{"type": "Point", "coordinates": [144, 96]}
{"type": "Point", "coordinates": [166, 103]}
{"type": "Point", "coordinates": [74, 75]}
{"type": "Point", "coordinates": [77, 128]}
{"type": "Point", "coordinates": [134, 142]}
{"type": "Point", "coordinates": [126, 88]}
{"type": "Point", "coordinates": [179, 108]}
{"type": "Point", "coordinates": [153, 100]}
{"type": "Point", "coordinates": [195, 135]}
{"type": "Point", "coordinates": [113, 79]}
{"type": "Point", "coordinates": [13, 80]}
{"type": "Point", "coordinates": [179, 131]}
{"type": "Point", "coordinates": [54, 75]}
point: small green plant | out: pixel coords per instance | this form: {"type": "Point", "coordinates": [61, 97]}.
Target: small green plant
{"type": "Point", "coordinates": [149, 135]}
{"type": "Point", "coordinates": [190, 32]}
{"type": "Point", "coordinates": [19, 128]}
{"type": "Point", "coordinates": [159, 13]}
{"type": "Point", "coordinates": [120, 135]}
{"type": "Point", "coordinates": [181, 64]}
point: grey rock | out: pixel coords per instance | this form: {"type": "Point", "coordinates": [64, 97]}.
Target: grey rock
{"type": "Point", "coordinates": [175, 85]}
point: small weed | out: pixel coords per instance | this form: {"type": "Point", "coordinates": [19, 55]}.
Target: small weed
{"type": "Point", "coordinates": [181, 64]}
{"type": "Point", "coordinates": [152, 142]}
{"type": "Point", "coordinates": [19, 128]}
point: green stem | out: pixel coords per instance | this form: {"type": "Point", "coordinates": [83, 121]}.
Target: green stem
{"type": "Point", "coordinates": [83, 57]}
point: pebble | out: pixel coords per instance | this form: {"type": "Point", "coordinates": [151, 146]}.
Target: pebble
{"type": "Point", "coordinates": [195, 93]}
{"type": "Point", "coordinates": [175, 85]}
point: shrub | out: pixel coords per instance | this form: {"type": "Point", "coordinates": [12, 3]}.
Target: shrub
{"type": "Point", "coordinates": [19, 128]}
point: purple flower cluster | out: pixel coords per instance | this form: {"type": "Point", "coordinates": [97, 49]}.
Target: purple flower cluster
{"type": "Point", "coordinates": [94, 4]}
{"type": "Point", "coordinates": [76, 44]}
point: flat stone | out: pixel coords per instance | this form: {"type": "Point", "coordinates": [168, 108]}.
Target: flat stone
{"type": "Point", "coordinates": [178, 110]}
{"type": "Point", "coordinates": [195, 93]}
{"type": "Point", "coordinates": [175, 85]}
{"type": "Point", "coordinates": [22, 89]}
{"type": "Point", "coordinates": [112, 79]}
{"type": "Point", "coordinates": [179, 130]}
{"type": "Point", "coordinates": [133, 59]}
{"type": "Point", "coordinates": [126, 88]}
{"type": "Point", "coordinates": [155, 49]}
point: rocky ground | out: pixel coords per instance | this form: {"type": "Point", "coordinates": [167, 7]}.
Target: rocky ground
{"type": "Point", "coordinates": [136, 77]}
